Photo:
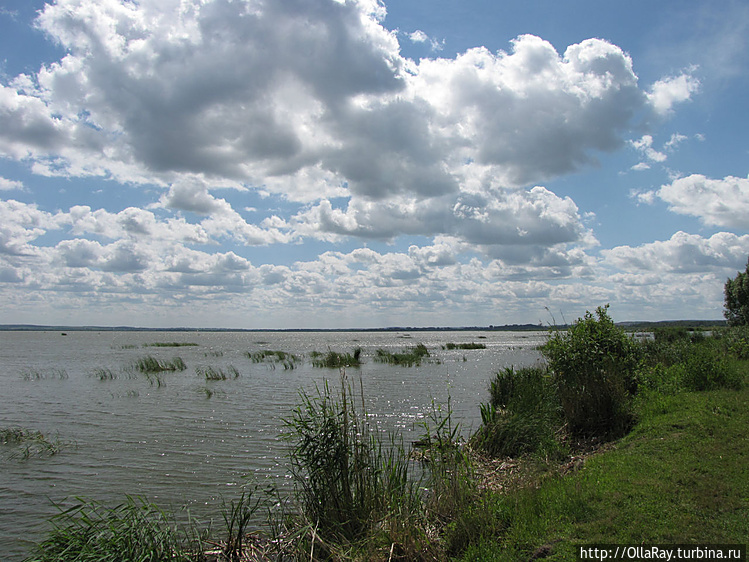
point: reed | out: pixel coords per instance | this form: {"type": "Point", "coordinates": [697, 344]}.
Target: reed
{"type": "Point", "coordinates": [29, 443]}
{"type": "Point", "coordinates": [335, 360]}
{"type": "Point", "coordinates": [38, 375]}
{"type": "Point", "coordinates": [287, 360]}
{"type": "Point", "coordinates": [103, 374]}
{"type": "Point", "coordinates": [151, 364]}
{"type": "Point", "coordinates": [350, 482]}
{"type": "Point", "coordinates": [217, 374]}
{"type": "Point", "coordinates": [408, 357]}
{"type": "Point", "coordinates": [170, 344]}
{"type": "Point", "coordinates": [133, 530]}
{"type": "Point", "coordinates": [471, 345]}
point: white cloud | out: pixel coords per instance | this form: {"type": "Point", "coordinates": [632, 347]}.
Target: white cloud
{"type": "Point", "coordinates": [8, 185]}
{"type": "Point", "coordinates": [683, 253]}
{"type": "Point", "coordinates": [666, 93]}
{"type": "Point", "coordinates": [296, 99]}
{"type": "Point", "coordinates": [722, 202]}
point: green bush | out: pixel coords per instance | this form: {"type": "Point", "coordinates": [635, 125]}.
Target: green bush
{"type": "Point", "coordinates": [595, 367]}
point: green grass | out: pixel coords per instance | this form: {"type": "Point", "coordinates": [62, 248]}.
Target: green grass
{"type": "Point", "coordinates": [679, 477]}
{"type": "Point", "coordinates": [407, 357]}
{"type": "Point", "coordinates": [134, 530]}
{"type": "Point", "coordinates": [336, 360]}
{"type": "Point", "coordinates": [287, 360]}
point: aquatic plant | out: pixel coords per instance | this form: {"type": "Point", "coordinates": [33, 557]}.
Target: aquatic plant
{"type": "Point", "coordinates": [29, 443]}
{"type": "Point", "coordinates": [217, 374]}
{"type": "Point", "coordinates": [170, 344]}
{"type": "Point", "coordinates": [37, 375]}
{"type": "Point", "coordinates": [133, 530]}
{"type": "Point", "coordinates": [335, 360]}
{"type": "Point", "coordinates": [348, 480]}
{"type": "Point", "coordinates": [522, 416]}
{"type": "Point", "coordinates": [150, 364]}
{"type": "Point", "coordinates": [103, 374]}
{"type": "Point", "coordinates": [237, 516]}
{"type": "Point", "coordinates": [407, 357]}
{"type": "Point", "coordinates": [471, 345]}
{"type": "Point", "coordinates": [287, 360]}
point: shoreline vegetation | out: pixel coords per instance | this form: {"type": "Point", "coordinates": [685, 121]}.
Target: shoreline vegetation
{"type": "Point", "coordinates": [612, 439]}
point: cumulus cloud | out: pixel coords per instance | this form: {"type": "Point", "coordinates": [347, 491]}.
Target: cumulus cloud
{"type": "Point", "coordinates": [8, 185]}
{"type": "Point", "coordinates": [717, 202]}
{"type": "Point", "coordinates": [666, 93]}
{"type": "Point", "coordinates": [682, 253]}
{"type": "Point", "coordinates": [282, 93]}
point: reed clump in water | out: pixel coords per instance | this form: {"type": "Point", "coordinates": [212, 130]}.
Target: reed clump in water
{"type": "Point", "coordinates": [150, 364]}
{"type": "Point", "coordinates": [335, 360]}
{"type": "Point", "coordinates": [408, 357]}
{"type": "Point", "coordinates": [217, 374]}
{"type": "Point", "coordinates": [287, 360]}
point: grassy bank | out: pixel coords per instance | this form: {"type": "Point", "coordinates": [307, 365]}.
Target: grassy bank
{"type": "Point", "coordinates": [614, 441]}
{"type": "Point", "coordinates": [680, 476]}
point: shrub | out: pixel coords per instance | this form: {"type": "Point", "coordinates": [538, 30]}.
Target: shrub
{"type": "Point", "coordinates": [594, 365]}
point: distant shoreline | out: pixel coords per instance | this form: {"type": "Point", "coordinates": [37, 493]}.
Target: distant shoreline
{"type": "Point", "coordinates": [630, 326]}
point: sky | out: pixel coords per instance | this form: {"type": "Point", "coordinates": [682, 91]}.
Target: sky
{"type": "Point", "coordinates": [359, 164]}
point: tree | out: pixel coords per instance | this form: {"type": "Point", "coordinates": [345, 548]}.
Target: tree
{"type": "Point", "coordinates": [736, 291]}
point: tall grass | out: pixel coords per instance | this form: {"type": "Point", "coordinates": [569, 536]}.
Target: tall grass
{"type": "Point", "coordinates": [355, 486]}
{"type": "Point", "coordinates": [336, 360]}
{"type": "Point", "coordinates": [523, 414]}
{"type": "Point", "coordinates": [287, 360]}
{"type": "Point", "coordinates": [407, 357]}
{"type": "Point", "coordinates": [151, 364]}
{"type": "Point", "coordinates": [216, 373]}
{"type": "Point", "coordinates": [471, 345]}
{"type": "Point", "coordinates": [132, 531]}
{"type": "Point", "coordinates": [29, 443]}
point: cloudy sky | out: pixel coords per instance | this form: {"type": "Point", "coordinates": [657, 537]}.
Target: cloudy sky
{"type": "Point", "coordinates": [349, 163]}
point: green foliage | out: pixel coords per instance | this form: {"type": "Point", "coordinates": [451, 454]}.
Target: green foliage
{"type": "Point", "coordinates": [522, 415]}
{"type": "Point", "coordinates": [133, 531]}
{"type": "Point", "coordinates": [736, 293]}
{"type": "Point", "coordinates": [594, 365]}
{"type": "Point", "coordinates": [409, 357]}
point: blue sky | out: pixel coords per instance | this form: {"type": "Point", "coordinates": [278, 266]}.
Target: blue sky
{"type": "Point", "coordinates": [337, 163]}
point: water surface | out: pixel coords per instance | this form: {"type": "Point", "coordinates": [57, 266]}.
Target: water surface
{"type": "Point", "coordinates": [180, 440]}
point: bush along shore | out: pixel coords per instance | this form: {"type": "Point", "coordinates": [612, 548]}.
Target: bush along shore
{"type": "Point", "coordinates": [612, 440]}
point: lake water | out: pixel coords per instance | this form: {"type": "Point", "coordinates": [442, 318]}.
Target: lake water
{"type": "Point", "coordinates": [180, 440]}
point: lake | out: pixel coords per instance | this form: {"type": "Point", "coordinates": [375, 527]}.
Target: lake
{"type": "Point", "coordinates": [181, 440]}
